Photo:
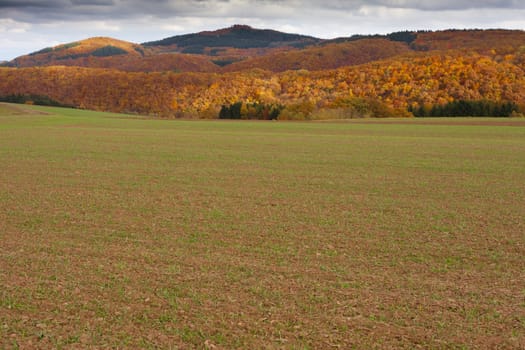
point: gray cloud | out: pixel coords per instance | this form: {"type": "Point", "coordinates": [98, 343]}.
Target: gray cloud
{"type": "Point", "coordinates": [40, 10]}
{"type": "Point", "coordinates": [93, 2]}
{"type": "Point", "coordinates": [22, 4]}
{"type": "Point", "coordinates": [451, 4]}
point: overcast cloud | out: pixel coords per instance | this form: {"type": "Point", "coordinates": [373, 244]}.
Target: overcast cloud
{"type": "Point", "coordinates": [29, 25]}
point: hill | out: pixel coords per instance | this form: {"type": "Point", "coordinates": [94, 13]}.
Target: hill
{"type": "Point", "coordinates": [375, 75]}
{"type": "Point", "coordinates": [241, 47]}
{"type": "Point", "coordinates": [401, 82]}
{"type": "Point", "coordinates": [206, 51]}
{"type": "Point", "coordinates": [329, 56]}
{"type": "Point", "coordinates": [78, 51]}
{"type": "Point", "coordinates": [237, 36]}
{"type": "Point", "coordinates": [482, 41]}
{"type": "Point", "coordinates": [102, 52]}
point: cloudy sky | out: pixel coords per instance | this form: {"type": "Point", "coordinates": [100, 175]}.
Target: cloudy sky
{"type": "Point", "coordinates": [30, 25]}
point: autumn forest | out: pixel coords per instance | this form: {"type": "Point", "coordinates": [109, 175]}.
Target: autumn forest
{"type": "Point", "coordinates": [242, 72]}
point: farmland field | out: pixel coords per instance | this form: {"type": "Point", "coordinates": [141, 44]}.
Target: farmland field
{"type": "Point", "coordinates": [118, 231]}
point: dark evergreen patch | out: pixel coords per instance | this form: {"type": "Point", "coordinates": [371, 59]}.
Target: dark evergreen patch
{"type": "Point", "coordinates": [72, 56]}
{"type": "Point", "coordinates": [225, 62]}
{"type": "Point", "coordinates": [256, 110]}
{"type": "Point", "coordinates": [44, 50]}
{"type": "Point", "coordinates": [139, 50]}
{"type": "Point", "coordinates": [32, 99]}
{"type": "Point", "coordinates": [195, 49]}
{"type": "Point", "coordinates": [108, 50]}
{"type": "Point", "coordinates": [464, 108]}
{"type": "Point", "coordinates": [405, 37]}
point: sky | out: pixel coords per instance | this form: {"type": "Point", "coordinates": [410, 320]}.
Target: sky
{"type": "Point", "coordinates": [30, 25]}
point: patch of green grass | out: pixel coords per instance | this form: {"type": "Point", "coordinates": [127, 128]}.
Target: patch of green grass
{"type": "Point", "coordinates": [119, 231]}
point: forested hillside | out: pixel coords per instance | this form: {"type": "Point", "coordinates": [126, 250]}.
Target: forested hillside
{"type": "Point", "coordinates": [237, 36]}
{"type": "Point", "coordinates": [349, 77]}
{"type": "Point", "coordinates": [330, 56]}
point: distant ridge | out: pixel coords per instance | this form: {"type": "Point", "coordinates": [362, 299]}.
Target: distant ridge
{"type": "Point", "coordinates": [237, 36]}
{"type": "Point", "coordinates": [241, 47]}
{"type": "Point", "coordinates": [104, 52]}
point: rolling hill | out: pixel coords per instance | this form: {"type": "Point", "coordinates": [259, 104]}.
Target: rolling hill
{"type": "Point", "coordinates": [387, 74]}
{"type": "Point", "coordinates": [110, 53]}
{"type": "Point", "coordinates": [237, 36]}
{"type": "Point", "coordinates": [329, 56]}
{"type": "Point", "coordinates": [482, 41]}
{"type": "Point", "coordinates": [241, 47]}
{"type": "Point", "coordinates": [200, 52]}
{"type": "Point", "coordinates": [78, 52]}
